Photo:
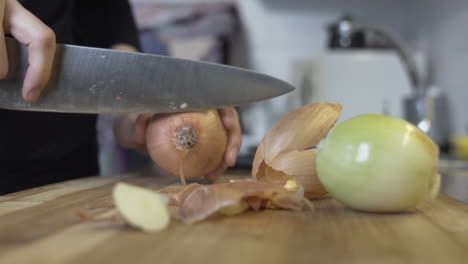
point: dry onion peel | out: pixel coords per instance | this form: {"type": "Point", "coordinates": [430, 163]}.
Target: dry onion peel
{"type": "Point", "coordinates": [199, 202]}
{"type": "Point", "coordinates": [177, 194]}
{"type": "Point", "coordinates": [234, 209]}
{"type": "Point", "coordinates": [300, 165]}
{"type": "Point", "coordinates": [258, 164]}
{"type": "Point", "coordinates": [282, 154]}
{"type": "Point", "coordinates": [300, 129]}
{"type": "Point", "coordinates": [151, 211]}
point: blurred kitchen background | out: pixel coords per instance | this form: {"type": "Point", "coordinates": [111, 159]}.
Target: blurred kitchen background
{"type": "Point", "coordinates": [403, 58]}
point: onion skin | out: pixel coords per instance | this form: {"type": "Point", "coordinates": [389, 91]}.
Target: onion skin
{"type": "Point", "coordinates": [283, 153]}
{"type": "Point", "coordinates": [187, 145]}
{"type": "Point", "coordinates": [379, 163]}
{"type": "Point", "coordinates": [300, 166]}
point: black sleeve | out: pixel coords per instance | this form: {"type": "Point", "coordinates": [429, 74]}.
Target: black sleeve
{"type": "Point", "coordinates": [103, 23]}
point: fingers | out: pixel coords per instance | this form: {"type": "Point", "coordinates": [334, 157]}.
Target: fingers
{"type": "Point", "coordinates": [141, 123]}
{"type": "Point", "coordinates": [230, 119]}
{"type": "Point", "coordinates": [40, 39]}
{"type": "Point", "coordinates": [231, 123]}
{"type": "Point", "coordinates": [130, 131]}
{"type": "Point", "coordinates": [3, 53]}
{"type": "Point", "coordinates": [124, 130]}
{"type": "Point", "coordinates": [41, 54]}
{"type": "Point", "coordinates": [227, 116]}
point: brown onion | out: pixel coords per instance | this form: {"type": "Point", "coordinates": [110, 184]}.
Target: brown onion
{"type": "Point", "coordinates": [187, 145]}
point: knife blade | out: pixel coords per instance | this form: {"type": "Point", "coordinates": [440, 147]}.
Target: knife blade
{"type": "Point", "coordinates": [94, 80]}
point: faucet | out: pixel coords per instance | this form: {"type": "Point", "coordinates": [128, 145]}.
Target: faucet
{"type": "Point", "coordinates": [424, 109]}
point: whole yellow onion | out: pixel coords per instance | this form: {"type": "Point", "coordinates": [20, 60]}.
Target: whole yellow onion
{"type": "Point", "coordinates": [378, 163]}
{"type": "Point", "coordinates": [187, 145]}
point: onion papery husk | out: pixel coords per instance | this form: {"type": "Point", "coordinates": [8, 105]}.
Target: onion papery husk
{"type": "Point", "coordinates": [284, 152]}
{"type": "Point", "coordinates": [195, 202]}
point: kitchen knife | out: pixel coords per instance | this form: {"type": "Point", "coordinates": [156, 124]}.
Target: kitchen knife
{"type": "Point", "coordinates": [93, 80]}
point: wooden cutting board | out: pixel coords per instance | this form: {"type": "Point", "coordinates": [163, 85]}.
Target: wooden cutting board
{"type": "Point", "coordinates": [40, 226]}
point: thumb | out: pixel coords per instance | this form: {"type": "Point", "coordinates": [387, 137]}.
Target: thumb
{"type": "Point", "coordinates": [141, 123]}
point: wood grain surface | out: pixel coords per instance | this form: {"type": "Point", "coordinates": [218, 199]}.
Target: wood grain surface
{"type": "Point", "coordinates": [40, 226]}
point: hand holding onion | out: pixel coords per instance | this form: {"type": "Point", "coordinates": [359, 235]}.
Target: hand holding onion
{"type": "Point", "coordinates": [187, 145]}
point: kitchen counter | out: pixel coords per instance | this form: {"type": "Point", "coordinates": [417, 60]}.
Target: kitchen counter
{"type": "Point", "coordinates": [40, 226]}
